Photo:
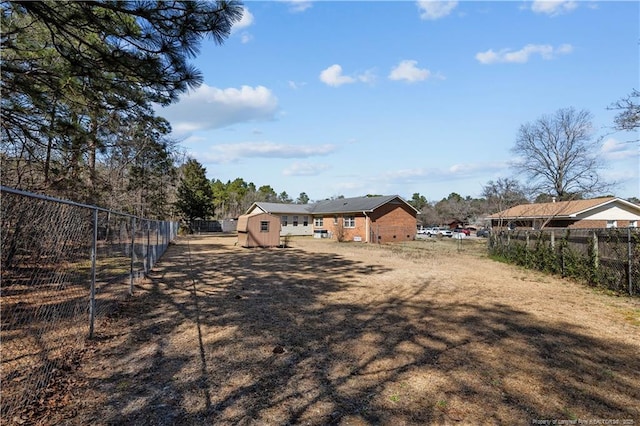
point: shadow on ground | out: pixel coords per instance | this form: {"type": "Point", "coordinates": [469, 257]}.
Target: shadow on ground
{"type": "Point", "coordinates": [224, 335]}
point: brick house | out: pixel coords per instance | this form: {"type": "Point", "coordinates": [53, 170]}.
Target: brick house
{"type": "Point", "coordinates": [606, 212]}
{"type": "Point", "coordinates": [380, 219]}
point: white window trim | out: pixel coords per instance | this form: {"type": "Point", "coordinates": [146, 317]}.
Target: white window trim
{"type": "Point", "coordinates": [350, 219]}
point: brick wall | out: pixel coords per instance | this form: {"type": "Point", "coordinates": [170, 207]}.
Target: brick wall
{"type": "Point", "coordinates": [348, 233]}
{"type": "Point", "coordinates": [391, 223]}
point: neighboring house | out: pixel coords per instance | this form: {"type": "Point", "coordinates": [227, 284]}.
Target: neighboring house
{"type": "Point", "coordinates": [379, 219]}
{"type": "Point", "coordinates": [295, 219]}
{"type": "Point", "coordinates": [258, 230]}
{"type": "Point", "coordinates": [607, 212]}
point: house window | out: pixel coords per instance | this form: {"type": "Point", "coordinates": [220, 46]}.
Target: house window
{"type": "Point", "coordinates": [285, 220]}
{"type": "Point", "coordinates": [633, 224]}
{"type": "Point", "coordinates": [612, 224]}
{"type": "Point", "coordinates": [335, 220]}
{"type": "Point", "coordinates": [349, 222]}
{"type": "Point", "coordinates": [295, 221]}
{"type": "Point", "coordinates": [264, 226]}
{"type": "Point", "coordinates": [305, 220]}
{"type": "Point", "coordinates": [317, 222]}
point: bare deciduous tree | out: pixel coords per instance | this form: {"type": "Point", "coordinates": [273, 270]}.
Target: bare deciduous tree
{"type": "Point", "coordinates": [558, 155]}
{"type": "Point", "coordinates": [503, 193]}
{"type": "Point", "coordinates": [628, 117]}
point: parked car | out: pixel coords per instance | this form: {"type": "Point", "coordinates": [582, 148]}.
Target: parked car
{"type": "Point", "coordinates": [445, 232]}
{"type": "Point", "coordinates": [427, 231]}
{"type": "Point", "coordinates": [483, 232]}
{"type": "Point", "coordinates": [464, 231]}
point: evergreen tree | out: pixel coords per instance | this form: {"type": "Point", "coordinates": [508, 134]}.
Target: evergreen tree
{"type": "Point", "coordinates": [303, 198]}
{"type": "Point", "coordinates": [284, 198]}
{"type": "Point", "coordinates": [266, 193]}
{"type": "Point", "coordinates": [195, 196]}
{"type": "Point", "coordinates": [76, 74]}
{"type": "Point", "coordinates": [418, 201]}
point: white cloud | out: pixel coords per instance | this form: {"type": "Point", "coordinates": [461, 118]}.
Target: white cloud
{"type": "Point", "coordinates": [296, 85]}
{"type": "Point", "coordinates": [431, 9]}
{"type": "Point", "coordinates": [408, 71]}
{"type": "Point", "coordinates": [209, 108]}
{"type": "Point", "coordinates": [305, 169]}
{"type": "Point", "coordinates": [521, 56]}
{"type": "Point", "coordinates": [244, 22]}
{"type": "Point", "coordinates": [298, 5]}
{"type": "Point", "coordinates": [612, 149]}
{"type": "Point", "coordinates": [333, 76]}
{"type": "Point", "coordinates": [226, 153]}
{"type": "Point", "coordinates": [553, 7]}
{"type": "Point", "coordinates": [368, 76]}
{"type": "Point", "coordinates": [454, 172]}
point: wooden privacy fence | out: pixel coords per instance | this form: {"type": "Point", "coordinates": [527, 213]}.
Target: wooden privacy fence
{"type": "Point", "coordinates": [607, 258]}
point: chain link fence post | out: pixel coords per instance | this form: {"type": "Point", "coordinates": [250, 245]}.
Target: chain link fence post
{"type": "Point", "coordinates": [133, 254]}
{"type": "Point", "coordinates": [61, 262]}
{"type": "Point", "coordinates": [147, 252]}
{"type": "Point", "coordinates": [92, 291]}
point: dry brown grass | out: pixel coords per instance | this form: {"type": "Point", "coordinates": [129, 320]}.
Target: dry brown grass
{"type": "Point", "coordinates": [327, 333]}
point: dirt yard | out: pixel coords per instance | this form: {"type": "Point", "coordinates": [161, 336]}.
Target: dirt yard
{"type": "Point", "coordinates": [350, 334]}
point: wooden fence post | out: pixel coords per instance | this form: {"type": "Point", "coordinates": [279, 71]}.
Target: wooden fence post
{"type": "Point", "coordinates": [594, 243]}
{"type": "Point", "coordinates": [629, 262]}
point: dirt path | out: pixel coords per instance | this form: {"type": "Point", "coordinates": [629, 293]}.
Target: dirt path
{"type": "Point", "coordinates": [326, 333]}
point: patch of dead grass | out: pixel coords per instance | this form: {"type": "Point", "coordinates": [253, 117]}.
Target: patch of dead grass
{"type": "Point", "coordinates": [429, 332]}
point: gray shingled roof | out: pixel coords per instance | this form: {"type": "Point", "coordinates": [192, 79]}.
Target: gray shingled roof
{"type": "Point", "coordinates": [352, 205]}
{"type": "Point", "coordinates": [339, 205]}
{"type": "Point", "coordinates": [285, 208]}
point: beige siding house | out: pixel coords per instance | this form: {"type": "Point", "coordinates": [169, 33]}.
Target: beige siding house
{"type": "Point", "coordinates": [295, 219]}
{"type": "Point", "coordinates": [606, 212]}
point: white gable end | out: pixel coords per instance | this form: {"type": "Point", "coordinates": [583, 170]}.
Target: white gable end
{"type": "Point", "coordinates": [255, 209]}
{"type": "Point", "coordinates": [611, 211]}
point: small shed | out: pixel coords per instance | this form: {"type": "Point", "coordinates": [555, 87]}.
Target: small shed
{"type": "Point", "coordinates": [259, 230]}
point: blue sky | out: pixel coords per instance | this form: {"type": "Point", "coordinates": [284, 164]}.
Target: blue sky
{"type": "Point", "coordinates": [369, 97]}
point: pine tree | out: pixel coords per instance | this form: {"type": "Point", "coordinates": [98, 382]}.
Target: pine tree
{"type": "Point", "coordinates": [195, 196]}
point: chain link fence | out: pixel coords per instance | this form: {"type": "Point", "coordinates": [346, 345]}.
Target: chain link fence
{"type": "Point", "coordinates": [64, 265]}
{"type": "Point", "coordinates": [608, 258]}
